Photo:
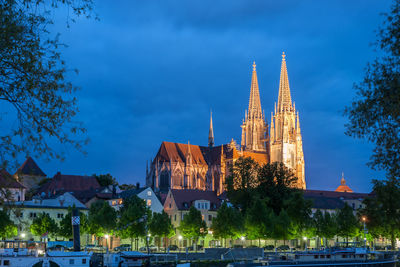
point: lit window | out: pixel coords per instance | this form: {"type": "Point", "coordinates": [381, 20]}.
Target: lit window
{"type": "Point", "coordinates": [114, 203]}
{"type": "Point", "coordinates": [149, 202]}
{"type": "Point", "coordinates": [71, 261]}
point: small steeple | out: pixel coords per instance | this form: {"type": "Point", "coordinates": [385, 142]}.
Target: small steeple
{"type": "Point", "coordinates": [254, 101]}
{"type": "Point", "coordinates": [342, 181]}
{"type": "Point", "coordinates": [298, 124]}
{"type": "Point", "coordinates": [284, 98]}
{"type": "Point", "coordinates": [211, 133]}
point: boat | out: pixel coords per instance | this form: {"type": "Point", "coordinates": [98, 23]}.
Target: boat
{"type": "Point", "coordinates": [336, 258]}
{"type": "Point", "coordinates": [33, 254]}
{"type": "Point", "coordinates": [126, 259]}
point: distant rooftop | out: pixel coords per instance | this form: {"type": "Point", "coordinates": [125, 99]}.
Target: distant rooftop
{"type": "Point", "coordinates": [29, 167]}
{"type": "Point", "coordinates": [8, 181]}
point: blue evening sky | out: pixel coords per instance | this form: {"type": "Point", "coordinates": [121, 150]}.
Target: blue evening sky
{"type": "Point", "coordinates": [150, 71]}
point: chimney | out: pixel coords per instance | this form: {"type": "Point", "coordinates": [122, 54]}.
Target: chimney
{"type": "Point", "coordinates": [137, 185]}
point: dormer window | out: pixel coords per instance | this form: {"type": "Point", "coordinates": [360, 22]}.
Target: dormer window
{"type": "Point", "coordinates": [185, 205]}
{"type": "Point", "coordinates": [149, 193]}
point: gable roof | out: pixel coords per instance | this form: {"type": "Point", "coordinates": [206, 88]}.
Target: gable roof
{"type": "Point", "coordinates": [188, 196]}
{"type": "Point", "coordinates": [8, 181]}
{"type": "Point", "coordinates": [29, 167]}
{"type": "Point", "coordinates": [204, 155]}
{"type": "Point", "coordinates": [131, 192]}
{"type": "Point", "coordinates": [69, 183]}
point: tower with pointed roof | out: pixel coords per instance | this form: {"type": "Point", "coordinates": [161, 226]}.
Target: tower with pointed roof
{"type": "Point", "coordinates": [254, 127]}
{"type": "Point", "coordinates": [286, 143]}
{"type": "Point", "coordinates": [211, 133]}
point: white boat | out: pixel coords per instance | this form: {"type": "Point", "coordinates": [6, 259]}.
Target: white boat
{"type": "Point", "coordinates": [32, 254]}
{"type": "Point", "coordinates": [125, 259]}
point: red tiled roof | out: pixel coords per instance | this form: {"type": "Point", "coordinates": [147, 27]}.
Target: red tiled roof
{"type": "Point", "coordinates": [7, 181]}
{"type": "Point", "coordinates": [260, 158]}
{"type": "Point", "coordinates": [69, 183]}
{"type": "Point", "coordinates": [188, 196]}
{"type": "Point", "coordinates": [204, 155]}
{"type": "Point", "coordinates": [176, 152]}
{"type": "Point", "coordinates": [344, 188]}
{"type": "Point", "coordinates": [29, 167]}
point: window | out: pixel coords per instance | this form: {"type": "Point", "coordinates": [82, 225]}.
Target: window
{"type": "Point", "coordinates": [206, 206]}
{"type": "Point", "coordinates": [60, 215]}
{"type": "Point", "coordinates": [149, 193]}
{"type": "Point", "coordinates": [21, 215]}
{"type": "Point", "coordinates": [354, 206]}
{"type": "Point", "coordinates": [175, 217]}
{"type": "Point", "coordinates": [210, 217]}
{"type": "Point", "coordinates": [149, 202]}
{"type": "Point", "coordinates": [202, 217]}
{"type": "Point", "coordinates": [32, 215]}
{"type": "Point", "coordinates": [6, 262]}
{"type": "Point", "coordinates": [83, 261]}
{"type": "Point", "coordinates": [169, 205]}
{"type": "Point", "coordinates": [114, 202]}
{"type": "Point", "coordinates": [71, 261]}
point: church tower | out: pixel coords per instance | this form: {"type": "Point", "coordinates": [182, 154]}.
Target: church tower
{"type": "Point", "coordinates": [285, 136]}
{"type": "Point", "coordinates": [254, 128]}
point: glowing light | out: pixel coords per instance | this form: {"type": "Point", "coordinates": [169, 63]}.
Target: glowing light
{"type": "Point", "coordinates": [304, 238]}
{"type": "Point", "coordinates": [23, 235]}
{"type": "Point", "coordinates": [106, 236]}
{"type": "Point", "coordinates": [242, 238]}
{"type": "Point", "coordinates": [363, 218]}
{"type": "Point", "coordinates": [40, 251]}
{"type": "Point", "coordinates": [180, 237]}
{"type": "Point", "coordinates": [149, 235]}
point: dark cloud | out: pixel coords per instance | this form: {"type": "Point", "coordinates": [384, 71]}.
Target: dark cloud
{"type": "Point", "coordinates": [151, 71]}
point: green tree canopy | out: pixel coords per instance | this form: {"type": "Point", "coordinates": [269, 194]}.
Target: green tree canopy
{"type": "Point", "coordinates": [299, 211]}
{"type": "Point", "coordinates": [105, 179]}
{"type": "Point", "coordinates": [65, 228]}
{"type": "Point", "coordinates": [102, 219]}
{"type": "Point", "coordinates": [33, 80]}
{"type": "Point", "coordinates": [160, 225]}
{"type": "Point", "coordinates": [283, 229]}
{"type": "Point", "coordinates": [7, 226]}
{"type": "Point", "coordinates": [192, 226]}
{"type": "Point", "coordinates": [44, 224]}
{"type": "Point", "coordinates": [276, 182]}
{"type": "Point", "coordinates": [382, 211]}
{"type": "Point", "coordinates": [347, 223]}
{"type": "Point", "coordinates": [259, 221]}
{"type": "Point", "coordinates": [241, 182]}
{"type": "Point", "coordinates": [134, 216]}
{"type": "Point", "coordinates": [228, 223]}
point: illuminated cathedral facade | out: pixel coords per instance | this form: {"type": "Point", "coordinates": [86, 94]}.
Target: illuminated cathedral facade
{"type": "Point", "coordinates": [187, 166]}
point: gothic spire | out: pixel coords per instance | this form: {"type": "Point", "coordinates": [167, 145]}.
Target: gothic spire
{"type": "Point", "coordinates": [254, 101]}
{"type": "Point", "coordinates": [211, 133]}
{"type": "Point", "coordinates": [342, 181]}
{"type": "Point", "coordinates": [284, 99]}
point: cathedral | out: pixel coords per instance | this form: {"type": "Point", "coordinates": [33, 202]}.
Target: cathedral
{"type": "Point", "coordinates": [187, 166]}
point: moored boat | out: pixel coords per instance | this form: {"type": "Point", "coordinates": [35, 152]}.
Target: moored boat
{"type": "Point", "coordinates": [338, 258]}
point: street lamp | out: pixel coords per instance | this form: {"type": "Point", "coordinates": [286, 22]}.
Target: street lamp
{"type": "Point", "coordinates": [305, 242]}
{"type": "Point", "coordinates": [365, 231]}
{"type": "Point", "coordinates": [106, 236]}
{"type": "Point", "coordinates": [23, 235]}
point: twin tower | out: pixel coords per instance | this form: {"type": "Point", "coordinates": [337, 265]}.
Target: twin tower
{"type": "Point", "coordinates": [284, 142]}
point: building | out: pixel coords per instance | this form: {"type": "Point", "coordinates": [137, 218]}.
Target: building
{"type": "Point", "coordinates": [30, 175]}
{"type": "Point", "coordinates": [10, 189]}
{"type": "Point", "coordinates": [343, 187]}
{"type": "Point", "coordinates": [286, 143]}
{"type": "Point", "coordinates": [186, 166]}
{"type": "Point", "coordinates": [330, 200]}
{"type": "Point", "coordinates": [178, 203]}
{"type": "Point", "coordinates": [24, 212]}
{"type": "Point", "coordinates": [61, 183]}
{"type": "Point", "coordinates": [145, 193]}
